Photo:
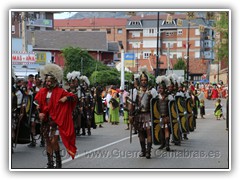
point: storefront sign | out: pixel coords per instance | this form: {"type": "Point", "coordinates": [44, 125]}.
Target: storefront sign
{"type": "Point", "coordinates": [23, 58]}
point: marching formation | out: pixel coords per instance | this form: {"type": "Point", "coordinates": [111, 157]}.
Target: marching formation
{"type": "Point", "coordinates": [163, 114]}
{"type": "Point", "coordinates": [45, 110]}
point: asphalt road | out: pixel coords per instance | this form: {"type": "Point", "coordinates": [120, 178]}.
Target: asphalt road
{"type": "Point", "coordinates": [110, 148]}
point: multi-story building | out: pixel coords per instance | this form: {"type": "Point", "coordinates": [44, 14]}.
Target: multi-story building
{"type": "Point", "coordinates": [174, 34]}
{"type": "Point", "coordinates": [33, 21]}
{"type": "Point", "coordinates": [115, 28]}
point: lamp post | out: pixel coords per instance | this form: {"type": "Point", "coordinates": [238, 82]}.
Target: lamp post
{"type": "Point", "coordinates": [157, 55]}
{"type": "Point", "coordinates": [188, 52]}
{"type": "Point", "coordinates": [122, 66]}
{"type": "Point", "coordinates": [190, 15]}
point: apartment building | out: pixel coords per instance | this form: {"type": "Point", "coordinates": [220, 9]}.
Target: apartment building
{"type": "Point", "coordinates": [33, 21]}
{"type": "Point", "coordinates": [173, 39]}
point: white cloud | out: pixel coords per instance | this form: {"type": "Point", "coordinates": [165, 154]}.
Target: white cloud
{"type": "Point", "coordinates": [63, 15]}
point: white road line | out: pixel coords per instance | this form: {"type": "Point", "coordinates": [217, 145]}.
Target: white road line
{"type": "Point", "coordinates": [91, 151]}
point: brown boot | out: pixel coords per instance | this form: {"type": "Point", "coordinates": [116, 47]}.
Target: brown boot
{"type": "Point", "coordinates": [50, 163]}
{"type": "Point", "coordinates": [167, 144]}
{"type": "Point", "coordinates": [148, 153]}
{"type": "Point", "coordinates": [143, 149]}
{"type": "Point", "coordinates": [58, 160]}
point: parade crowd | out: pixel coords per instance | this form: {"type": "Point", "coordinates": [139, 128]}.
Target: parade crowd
{"type": "Point", "coordinates": [43, 109]}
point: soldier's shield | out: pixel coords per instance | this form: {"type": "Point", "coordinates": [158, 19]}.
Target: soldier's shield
{"type": "Point", "coordinates": [182, 113]}
{"type": "Point", "coordinates": [155, 119]}
{"type": "Point", "coordinates": [190, 115]}
{"type": "Point", "coordinates": [174, 122]}
{"type": "Point", "coordinates": [23, 129]}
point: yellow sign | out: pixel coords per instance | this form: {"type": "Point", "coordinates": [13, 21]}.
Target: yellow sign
{"type": "Point", "coordinates": [129, 63]}
{"type": "Point", "coordinates": [169, 18]}
{"type": "Point", "coordinates": [179, 22]}
{"type": "Point", "coordinates": [201, 28]}
{"type": "Point", "coordinates": [41, 58]}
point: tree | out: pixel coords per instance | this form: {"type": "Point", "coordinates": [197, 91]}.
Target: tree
{"type": "Point", "coordinates": [105, 77]}
{"type": "Point", "coordinates": [221, 27]}
{"type": "Point", "coordinates": [180, 65]}
{"type": "Point", "coordinates": [77, 59]}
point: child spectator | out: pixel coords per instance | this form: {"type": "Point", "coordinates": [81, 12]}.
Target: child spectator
{"type": "Point", "coordinates": [202, 108]}
{"type": "Point", "coordinates": [218, 110]}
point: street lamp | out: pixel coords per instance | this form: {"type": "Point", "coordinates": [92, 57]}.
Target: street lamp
{"type": "Point", "coordinates": [122, 66]}
{"type": "Point", "coordinates": [137, 44]}
{"type": "Point", "coordinates": [190, 15]}
{"type": "Point", "coordinates": [188, 52]}
{"type": "Point", "coordinates": [157, 55]}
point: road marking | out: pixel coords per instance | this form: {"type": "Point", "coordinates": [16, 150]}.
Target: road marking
{"type": "Point", "coordinates": [97, 149]}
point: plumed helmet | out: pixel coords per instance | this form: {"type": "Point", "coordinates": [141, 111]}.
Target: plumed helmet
{"type": "Point", "coordinates": [143, 72]}
{"type": "Point", "coordinates": [85, 79]}
{"type": "Point", "coordinates": [180, 81]}
{"type": "Point", "coordinates": [163, 81]}
{"type": "Point", "coordinates": [73, 75]}
{"type": "Point", "coordinates": [171, 79]}
{"type": "Point", "coordinates": [52, 70]}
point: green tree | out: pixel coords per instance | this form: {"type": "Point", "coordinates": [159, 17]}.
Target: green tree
{"type": "Point", "coordinates": [180, 65]}
{"type": "Point", "coordinates": [222, 27]}
{"type": "Point", "coordinates": [80, 60]}
{"type": "Point", "coordinates": [105, 77]}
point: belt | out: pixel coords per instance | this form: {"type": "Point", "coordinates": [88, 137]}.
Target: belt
{"type": "Point", "coordinates": [144, 112]}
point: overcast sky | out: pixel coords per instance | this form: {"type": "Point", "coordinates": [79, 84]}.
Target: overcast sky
{"type": "Point", "coordinates": [63, 15]}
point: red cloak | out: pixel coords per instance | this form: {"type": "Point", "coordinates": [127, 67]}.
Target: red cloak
{"type": "Point", "coordinates": [61, 114]}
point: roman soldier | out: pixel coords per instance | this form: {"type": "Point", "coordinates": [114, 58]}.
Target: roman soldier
{"type": "Point", "coordinates": [163, 82]}
{"type": "Point", "coordinates": [86, 105]}
{"type": "Point", "coordinates": [55, 107]}
{"type": "Point", "coordinates": [35, 122]}
{"type": "Point", "coordinates": [173, 115]}
{"type": "Point", "coordinates": [141, 108]}
{"type": "Point", "coordinates": [74, 87]}
{"type": "Point", "coordinates": [182, 105]}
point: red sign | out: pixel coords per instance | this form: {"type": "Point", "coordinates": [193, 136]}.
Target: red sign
{"type": "Point", "coordinates": [23, 58]}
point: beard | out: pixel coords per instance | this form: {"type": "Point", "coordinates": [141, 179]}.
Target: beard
{"type": "Point", "coordinates": [144, 84]}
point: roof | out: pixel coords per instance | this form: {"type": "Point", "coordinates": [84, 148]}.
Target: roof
{"type": "Point", "coordinates": [152, 23]}
{"type": "Point", "coordinates": [195, 66]}
{"type": "Point", "coordinates": [154, 17]}
{"type": "Point", "coordinates": [90, 22]}
{"type": "Point", "coordinates": [198, 66]}
{"type": "Point", "coordinates": [57, 40]}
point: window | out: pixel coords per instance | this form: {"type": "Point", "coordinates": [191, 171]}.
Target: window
{"type": "Point", "coordinates": [134, 23]}
{"type": "Point", "coordinates": [179, 32]}
{"type": "Point", "coordinates": [136, 34]}
{"type": "Point", "coordinates": [169, 33]}
{"type": "Point", "coordinates": [95, 29]}
{"type": "Point", "coordinates": [169, 44]}
{"type": "Point", "coordinates": [146, 55]}
{"type": "Point", "coordinates": [120, 42]}
{"type": "Point", "coordinates": [82, 30]}
{"type": "Point", "coordinates": [151, 31]}
{"type": "Point", "coordinates": [13, 29]}
{"type": "Point", "coordinates": [119, 55]}
{"type": "Point", "coordinates": [179, 44]}
{"type": "Point", "coordinates": [63, 29]}
{"type": "Point", "coordinates": [119, 31]}
{"type": "Point", "coordinates": [197, 54]}
{"type": "Point", "coordinates": [108, 31]}
{"type": "Point", "coordinates": [197, 32]}
{"type": "Point", "coordinates": [197, 43]}
{"type": "Point", "coordinates": [197, 78]}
